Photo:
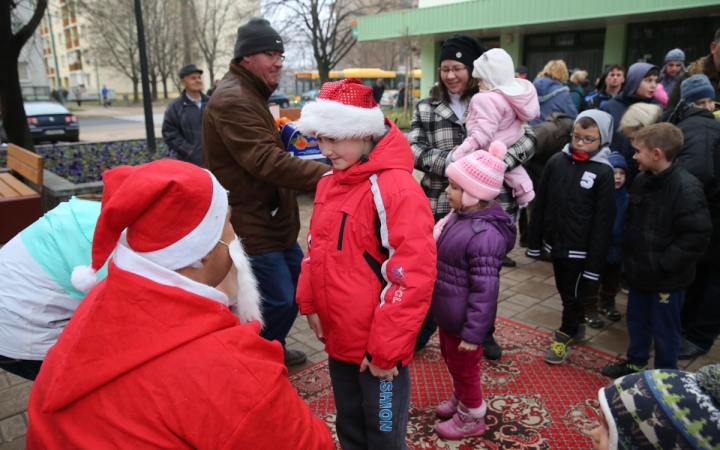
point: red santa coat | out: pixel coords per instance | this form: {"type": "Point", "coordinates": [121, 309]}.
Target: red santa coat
{"type": "Point", "coordinates": [165, 365]}
{"type": "Point", "coordinates": [370, 268]}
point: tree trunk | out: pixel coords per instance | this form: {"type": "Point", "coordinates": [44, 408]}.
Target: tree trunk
{"type": "Point", "coordinates": [13, 112]}
{"type": "Point", "coordinates": [165, 91]}
{"type": "Point", "coordinates": [323, 72]}
{"type": "Point", "coordinates": [136, 94]}
{"type": "Point", "coordinates": [187, 30]}
{"type": "Point", "coordinates": [153, 86]}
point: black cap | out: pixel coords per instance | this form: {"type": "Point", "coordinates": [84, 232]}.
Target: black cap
{"type": "Point", "coordinates": [187, 70]}
{"type": "Point", "coordinates": [521, 69]}
{"type": "Point", "coordinates": [463, 48]}
{"type": "Point", "coordinates": [257, 36]}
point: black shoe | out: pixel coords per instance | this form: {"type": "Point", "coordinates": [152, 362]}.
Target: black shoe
{"type": "Point", "coordinates": [594, 322]}
{"type": "Point", "coordinates": [545, 256]}
{"type": "Point", "coordinates": [690, 351]}
{"type": "Point", "coordinates": [294, 357]}
{"type": "Point", "coordinates": [491, 350]}
{"type": "Point", "coordinates": [620, 370]}
{"type": "Point", "coordinates": [611, 313]}
{"type": "Point", "coordinates": [507, 262]}
{"type": "Point", "coordinates": [523, 243]}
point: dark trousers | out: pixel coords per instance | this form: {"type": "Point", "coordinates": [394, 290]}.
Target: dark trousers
{"type": "Point", "coordinates": [654, 315]}
{"type": "Point", "coordinates": [701, 313]}
{"type": "Point", "coordinates": [277, 274]}
{"type": "Point", "coordinates": [371, 413]}
{"type": "Point", "coordinates": [604, 296]}
{"type": "Point", "coordinates": [573, 288]}
{"type": "Point", "coordinates": [24, 368]}
{"type": "Point", "coordinates": [523, 222]}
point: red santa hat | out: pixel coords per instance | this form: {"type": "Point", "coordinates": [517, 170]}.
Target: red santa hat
{"type": "Point", "coordinates": [174, 213]}
{"type": "Point", "coordinates": [343, 110]}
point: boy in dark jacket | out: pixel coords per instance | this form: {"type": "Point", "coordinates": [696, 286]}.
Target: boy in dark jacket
{"type": "Point", "coordinates": [668, 227]}
{"type": "Point", "coordinates": [574, 213]}
{"type": "Point", "coordinates": [604, 300]}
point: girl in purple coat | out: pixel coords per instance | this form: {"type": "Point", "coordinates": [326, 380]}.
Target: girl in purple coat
{"type": "Point", "coordinates": [472, 242]}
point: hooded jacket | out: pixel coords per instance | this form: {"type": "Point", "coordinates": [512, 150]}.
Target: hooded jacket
{"type": "Point", "coordinates": [700, 155]}
{"type": "Point", "coordinates": [498, 115]}
{"type": "Point", "coordinates": [617, 107]}
{"type": "Point", "coordinates": [668, 227]}
{"type": "Point", "coordinates": [553, 97]}
{"type": "Point", "coordinates": [370, 266]}
{"type": "Point", "coordinates": [159, 361]}
{"type": "Point", "coordinates": [704, 66]}
{"type": "Point", "coordinates": [471, 247]}
{"type": "Point", "coordinates": [243, 149]}
{"type": "Point", "coordinates": [575, 205]}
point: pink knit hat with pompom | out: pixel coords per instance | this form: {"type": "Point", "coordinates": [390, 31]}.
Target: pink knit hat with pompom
{"type": "Point", "coordinates": [480, 174]}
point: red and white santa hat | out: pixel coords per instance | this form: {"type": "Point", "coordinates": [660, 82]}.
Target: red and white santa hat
{"type": "Point", "coordinates": [343, 110]}
{"type": "Point", "coordinates": [174, 213]}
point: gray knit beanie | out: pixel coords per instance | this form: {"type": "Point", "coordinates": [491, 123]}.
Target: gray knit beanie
{"type": "Point", "coordinates": [695, 88]}
{"type": "Point", "coordinates": [675, 55]}
{"type": "Point", "coordinates": [257, 36]}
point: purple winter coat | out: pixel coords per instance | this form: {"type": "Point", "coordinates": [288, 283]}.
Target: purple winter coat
{"type": "Point", "coordinates": [470, 250]}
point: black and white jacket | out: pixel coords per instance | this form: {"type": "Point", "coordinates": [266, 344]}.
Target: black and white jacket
{"type": "Point", "coordinates": [574, 210]}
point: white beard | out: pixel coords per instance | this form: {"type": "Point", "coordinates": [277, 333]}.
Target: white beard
{"type": "Point", "coordinates": [244, 302]}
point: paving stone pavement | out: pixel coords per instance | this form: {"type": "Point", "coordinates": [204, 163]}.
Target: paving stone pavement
{"type": "Point", "coordinates": [527, 296]}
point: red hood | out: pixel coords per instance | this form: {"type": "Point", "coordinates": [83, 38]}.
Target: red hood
{"type": "Point", "coordinates": [391, 152]}
{"type": "Point", "coordinates": [123, 323]}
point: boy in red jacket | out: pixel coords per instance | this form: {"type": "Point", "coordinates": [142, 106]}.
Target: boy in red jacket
{"type": "Point", "coordinates": [367, 279]}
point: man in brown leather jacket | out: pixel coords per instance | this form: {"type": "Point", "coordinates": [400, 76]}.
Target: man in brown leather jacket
{"type": "Point", "coordinates": [241, 146]}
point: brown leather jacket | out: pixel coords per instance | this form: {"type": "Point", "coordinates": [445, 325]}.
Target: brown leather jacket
{"type": "Point", "coordinates": [241, 146]}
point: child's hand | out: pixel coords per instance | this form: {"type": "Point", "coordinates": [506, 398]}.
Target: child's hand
{"type": "Point", "coordinates": [377, 371]}
{"type": "Point", "coordinates": [467, 347]}
{"type": "Point", "coordinates": [316, 326]}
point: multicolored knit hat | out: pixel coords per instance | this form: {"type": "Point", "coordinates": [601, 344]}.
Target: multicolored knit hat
{"type": "Point", "coordinates": [664, 409]}
{"type": "Point", "coordinates": [480, 174]}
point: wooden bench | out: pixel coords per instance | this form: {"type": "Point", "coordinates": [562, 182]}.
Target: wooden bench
{"type": "Point", "coordinates": [20, 205]}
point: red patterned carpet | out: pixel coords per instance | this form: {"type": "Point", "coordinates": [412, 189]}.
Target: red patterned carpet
{"type": "Point", "coordinates": [531, 404]}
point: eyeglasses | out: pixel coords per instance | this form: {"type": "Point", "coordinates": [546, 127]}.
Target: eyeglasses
{"type": "Point", "coordinates": [447, 70]}
{"type": "Point", "coordinates": [584, 140]}
{"type": "Point", "coordinates": [224, 243]}
{"type": "Point", "coordinates": [275, 58]}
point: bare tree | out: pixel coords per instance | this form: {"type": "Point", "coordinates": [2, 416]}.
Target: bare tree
{"type": "Point", "coordinates": [13, 36]}
{"type": "Point", "coordinates": [209, 26]}
{"type": "Point", "coordinates": [114, 37]}
{"type": "Point", "coordinates": [380, 54]}
{"type": "Point", "coordinates": [324, 25]}
{"type": "Point", "coordinates": [164, 37]}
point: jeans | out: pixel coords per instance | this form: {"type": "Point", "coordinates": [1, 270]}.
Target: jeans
{"type": "Point", "coordinates": [24, 368]}
{"type": "Point", "coordinates": [371, 413]}
{"type": "Point", "coordinates": [464, 367]}
{"type": "Point", "coordinates": [654, 315]}
{"type": "Point", "coordinates": [701, 313]}
{"type": "Point", "coordinates": [277, 274]}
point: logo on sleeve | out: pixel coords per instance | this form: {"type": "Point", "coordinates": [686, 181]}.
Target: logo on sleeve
{"type": "Point", "coordinates": [588, 179]}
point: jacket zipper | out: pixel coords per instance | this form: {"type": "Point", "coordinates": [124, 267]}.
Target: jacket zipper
{"type": "Point", "coordinates": [342, 231]}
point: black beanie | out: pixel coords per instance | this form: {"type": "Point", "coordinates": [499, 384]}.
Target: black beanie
{"type": "Point", "coordinates": [257, 36]}
{"type": "Point", "coordinates": [463, 48]}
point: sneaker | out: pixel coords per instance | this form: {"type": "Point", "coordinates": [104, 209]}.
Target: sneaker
{"type": "Point", "coordinates": [688, 350]}
{"type": "Point", "coordinates": [507, 262]}
{"type": "Point", "coordinates": [491, 350]}
{"type": "Point", "coordinates": [462, 425]}
{"type": "Point", "coordinates": [594, 322]}
{"type": "Point", "coordinates": [622, 369]}
{"type": "Point", "coordinates": [611, 313]}
{"type": "Point", "coordinates": [447, 409]}
{"type": "Point", "coordinates": [294, 357]}
{"type": "Point", "coordinates": [560, 349]}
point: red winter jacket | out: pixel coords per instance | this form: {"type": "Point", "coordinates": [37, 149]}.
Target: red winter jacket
{"type": "Point", "coordinates": [146, 365]}
{"type": "Point", "coordinates": [370, 268]}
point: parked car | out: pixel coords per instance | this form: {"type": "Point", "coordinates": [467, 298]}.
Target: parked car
{"type": "Point", "coordinates": [279, 98]}
{"type": "Point", "coordinates": [389, 99]}
{"type": "Point", "coordinates": [307, 96]}
{"type": "Point", "coordinates": [48, 121]}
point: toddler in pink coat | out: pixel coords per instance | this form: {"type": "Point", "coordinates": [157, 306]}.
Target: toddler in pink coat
{"type": "Point", "coordinates": [497, 113]}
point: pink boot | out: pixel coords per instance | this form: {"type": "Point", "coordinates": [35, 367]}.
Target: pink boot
{"type": "Point", "coordinates": [447, 409]}
{"type": "Point", "coordinates": [465, 423]}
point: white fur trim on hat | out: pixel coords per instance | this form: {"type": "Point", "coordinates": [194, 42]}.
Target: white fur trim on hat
{"type": "Point", "coordinates": [612, 427]}
{"type": "Point", "coordinates": [83, 278]}
{"type": "Point", "coordinates": [340, 121]}
{"type": "Point", "coordinates": [200, 241]}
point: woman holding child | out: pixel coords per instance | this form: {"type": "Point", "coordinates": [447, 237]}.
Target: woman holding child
{"type": "Point", "coordinates": [439, 126]}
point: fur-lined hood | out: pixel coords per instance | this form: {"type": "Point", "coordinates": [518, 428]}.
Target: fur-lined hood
{"type": "Point", "coordinates": [698, 66]}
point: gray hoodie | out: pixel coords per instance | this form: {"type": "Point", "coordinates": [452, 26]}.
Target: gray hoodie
{"type": "Point", "coordinates": [605, 126]}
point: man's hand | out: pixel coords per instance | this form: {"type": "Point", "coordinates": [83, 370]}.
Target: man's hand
{"type": "Point", "coordinates": [316, 326]}
{"type": "Point", "coordinates": [377, 371]}
{"type": "Point", "coordinates": [467, 347]}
